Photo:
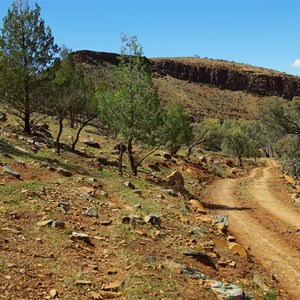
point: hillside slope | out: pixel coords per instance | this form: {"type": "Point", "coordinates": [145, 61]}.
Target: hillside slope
{"type": "Point", "coordinates": [205, 87]}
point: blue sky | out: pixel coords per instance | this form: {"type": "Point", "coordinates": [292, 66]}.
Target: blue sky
{"type": "Point", "coordinates": [263, 33]}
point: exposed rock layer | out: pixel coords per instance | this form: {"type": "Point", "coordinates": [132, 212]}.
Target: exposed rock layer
{"type": "Point", "coordinates": [223, 75]}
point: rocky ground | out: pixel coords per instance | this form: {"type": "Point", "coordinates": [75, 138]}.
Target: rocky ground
{"type": "Point", "coordinates": [72, 228]}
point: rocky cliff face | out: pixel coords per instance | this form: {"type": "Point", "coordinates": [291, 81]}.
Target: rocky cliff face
{"type": "Point", "coordinates": [259, 83]}
{"type": "Point", "coordinates": [224, 75]}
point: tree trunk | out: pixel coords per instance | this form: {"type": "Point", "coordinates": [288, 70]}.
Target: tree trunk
{"type": "Point", "coordinates": [27, 126]}
{"type": "Point", "coordinates": [58, 135]}
{"type": "Point", "coordinates": [80, 129]}
{"type": "Point", "coordinates": [77, 137]}
{"type": "Point", "coordinates": [131, 158]}
{"type": "Point", "coordinates": [121, 160]}
{"type": "Point", "coordinates": [241, 162]}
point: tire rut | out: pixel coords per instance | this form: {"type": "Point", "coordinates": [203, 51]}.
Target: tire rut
{"type": "Point", "coordinates": [275, 252]}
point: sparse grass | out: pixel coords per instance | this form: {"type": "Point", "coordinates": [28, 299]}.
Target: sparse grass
{"type": "Point", "coordinates": [271, 296]}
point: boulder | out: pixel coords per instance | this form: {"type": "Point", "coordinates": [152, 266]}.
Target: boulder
{"type": "Point", "coordinates": [81, 237]}
{"type": "Point", "coordinates": [238, 249]}
{"type": "Point", "coordinates": [176, 178]}
{"type": "Point", "coordinates": [129, 185]}
{"type": "Point", "coordinates": [153, 219]}
{"type": "Point", "coordinates": [221, 222]}
{"type": "Point", "coordinates": [92, 143]}
{"type": "Point", "coordinates": [64, 172]}
{"type": "Point", "coordinates": [91, 212]}
{"type": "Point", "coordinates": [198, 205]}
{"type": "Point", "coordinates": [12, 172]}
{"type": "Point", "coordinates": [228, 291]}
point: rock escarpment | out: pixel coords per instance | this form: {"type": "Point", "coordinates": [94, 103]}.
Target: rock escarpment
{"type": "Point", "coordinates": [221, 74]}
{"type": "Point", "coordinates": [261, 82]}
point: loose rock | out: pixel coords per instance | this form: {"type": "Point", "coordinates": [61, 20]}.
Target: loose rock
{"type": "Point", "coordinates": [153, 219]}
{"type": "Point", "coordinates": [64, 172]}
{"type": "Point", "coordinates": [12, 172]}
{"type": "Point", "coordinates": [129, 185]}
{"type": "Point", "coordinates": [176, 178]}
{"type": "Point", "coordinates": [92, 143]}
{"type": "Point", "coordinates": [91, 212]}
{"type": "Point", "coordinates": [81, 237]}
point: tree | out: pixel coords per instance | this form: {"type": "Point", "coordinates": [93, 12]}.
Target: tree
{"type": "Point", "coordinates": [27, 49]}
{"type": "Point", "coordinates": [282, 116]}
{"type": "Point", "coordinates": [238, 139]}
{"type": "Point", "coordinates": [70, 91]}
{"type": "Point", "coordinates": [86, 109]}
{"type": "Point", "coordinates": [132, 107]}
{"type": "Point", "coordinates": [206, 133]}
{"type": "Point", "coordinates": [281, 119]}
{"type": "Point", "coordinates": [176, 129]}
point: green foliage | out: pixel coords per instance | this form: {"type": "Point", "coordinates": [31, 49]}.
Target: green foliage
{"type": "Point", "coordinates": [132, 107]}
{"type": "Point", "coordinates": [239, 139]}
{"type": "Point", "coordinates": [27, 49]}
{"type": "Point", "coordinates": [71, 94]}
{"type": "Point", "coordinates": [207, 133]}
{"type": "Point", "coordinates": [281, 119]}
{"type": "Point", "coordinates": [176, 130]}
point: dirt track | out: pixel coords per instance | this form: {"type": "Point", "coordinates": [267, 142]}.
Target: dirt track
{"type": "Point", "coordinates": [263, 217]}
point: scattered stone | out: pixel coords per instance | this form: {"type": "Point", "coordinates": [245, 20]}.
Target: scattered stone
{"type": "Point", "coordinates": [153, 219]}
{"type": "Point", "coordinates": [83, 282]}
{"type": "Point", "coordinates": [86, 195]}
{"type": "Point", "coordinates": [195, 274]}
{"type": "Point", "coordinates": [96, 296]}
{"type": "Point", "coordinates": [81, 237]}
{"type": "Point", "coordinates": [22, 150]}
{"type": "Point", "coordinates": [114, 286]}
{"type": "Point", "coordinates": [128, 219]}
{"type": "Point", "coordinates": [43, 190]}
{"type": "Point", "coordinates": [92, 143]}
{"type": "Point", "coordinates": [205, 218]}
{"type": "Point", "coordinates": [232, 264]}
{"type": "Point", "coordinates": [64, 207]}
{"type": "Point", "coordinates": [64, 172]}
{"type": "Point", "coordinates": [91, 212]}
{"type": "Point", "coordinates": [238, 249]}
{"type": "Point", "coordinates": [228, 291]}
{"type": "Point", "coordinates": [203, 159]}
{"type": "Point", "coordinates": [220, 242]}
{"type": "Point", "coordinates": [198, 205]}
{"type": "Point", "coordinates": [104, 194]}
{"type": "Point", "coordinates": [231, 239]}
{"type": "Point", "coordinates": [58, 224]}
{"type": "Point", "coordinates": [44, 223]}
{"type": "Point", "coordinates": [297, 200]}
{"type": "Point", "coordinates": [129, 185]}
{"type": "Point", "coordinates": [53, 293]}
{"type": "Point", "coordinates": [138, 192]}
{"type": "Point", "coordinates": [200, 256]}
{"type": "Point", "coordinates": [167, 156]}
{"type": "Point", "coordinates": [222, 223]}
{"type": "Point", "coordinates": [12, 172]}
{"type": "Point", "coordinates": [176, 179]}
{"type": "Point", "coordinates": [199, 230]}
{"type": "Point", "coordinates": [109, 295]}
{"type": "Point", "coordinates": [11, 230]}
{"type": "Point", "coordinates": [154, 167]}
{"type": "Point", "coordinates": [170, 192]}
{"type": "Point", "coordinates": [290, 180]}
{"type": "Point", "coordinates": [137, 206]}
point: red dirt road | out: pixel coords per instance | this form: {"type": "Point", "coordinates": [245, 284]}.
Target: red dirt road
{"type": "Point", "coordinates": [262, 215]}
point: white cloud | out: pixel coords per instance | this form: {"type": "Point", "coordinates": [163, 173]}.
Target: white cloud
{"type": "Point", "coordinates": [296, 63]}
